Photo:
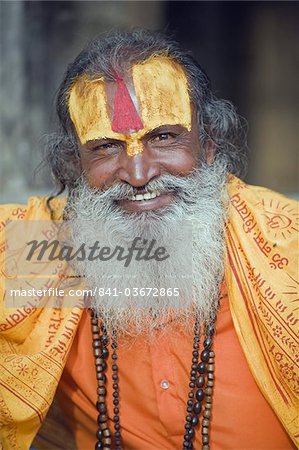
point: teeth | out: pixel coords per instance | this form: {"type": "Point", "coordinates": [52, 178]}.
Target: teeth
{"type": "Point", "coordinates": [147, 196]}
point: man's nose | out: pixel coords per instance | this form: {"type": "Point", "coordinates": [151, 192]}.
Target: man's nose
{"type": "Point", "coordinates": [139, 169]}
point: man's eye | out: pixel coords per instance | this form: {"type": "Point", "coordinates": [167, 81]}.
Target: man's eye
{"type": "Point", "coordinates": [106, 146]}
{"type": "Point", "coordinates": [163, 137]}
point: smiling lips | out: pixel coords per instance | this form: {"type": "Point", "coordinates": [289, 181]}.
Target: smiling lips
{"type": "Point", "coordinates": [146, 196]}
{"type": "Point", "coordinates": [147, 201]}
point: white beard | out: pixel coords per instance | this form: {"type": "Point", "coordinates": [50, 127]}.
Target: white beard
{"type": "Point", "coordinates": [200, 201]}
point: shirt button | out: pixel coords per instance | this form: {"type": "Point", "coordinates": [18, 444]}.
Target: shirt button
{"type": "Point", "coordinates": [164, 384]}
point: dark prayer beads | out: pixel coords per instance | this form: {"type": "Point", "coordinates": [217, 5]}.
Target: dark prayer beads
{"type": "Point", "coordinates": [201, 377]}
{"type": "Point", "coordinates": [101, 353]}
{"type": "Point", "coordinates": [201, 385]}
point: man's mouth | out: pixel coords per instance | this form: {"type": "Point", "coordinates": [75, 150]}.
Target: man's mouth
{"type": "Point", "coordinates": [146, 196]}
{"type": "Point", "coordinates": [147, 201]}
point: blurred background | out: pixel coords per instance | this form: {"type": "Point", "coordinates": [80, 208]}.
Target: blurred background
{"type": "Point", "coordinates": [249, 50]}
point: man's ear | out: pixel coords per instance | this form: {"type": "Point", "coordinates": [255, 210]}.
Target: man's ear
{"type": "Point", "coordinates": [210, 152]}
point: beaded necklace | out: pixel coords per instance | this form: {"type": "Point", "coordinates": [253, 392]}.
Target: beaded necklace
{"type": "Point", "coordinates": [199, 398]}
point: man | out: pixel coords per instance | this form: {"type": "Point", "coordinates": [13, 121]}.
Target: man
{"type": "Point", "coordinates": [144, 146]}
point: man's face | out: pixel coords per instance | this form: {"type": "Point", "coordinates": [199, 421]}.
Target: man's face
{"type": "Point", "coordinates": [138, 136]}
{"type": "Point", "coordinates": [136, 129]}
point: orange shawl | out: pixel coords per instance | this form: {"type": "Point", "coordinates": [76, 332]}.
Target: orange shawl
{"type": "Point", "coordinates": [261, 272]}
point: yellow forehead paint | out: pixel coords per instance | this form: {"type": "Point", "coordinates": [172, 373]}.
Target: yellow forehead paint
{"type": "Point", "coordinates": [89, 109]}
{"type": "Point", "coordinates": [162, 91]}
{"type": "Point", "coordinates": [162, 94]}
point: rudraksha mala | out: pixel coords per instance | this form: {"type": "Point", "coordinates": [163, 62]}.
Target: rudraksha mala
{"type": "Point", "coordinates": [199, 398]}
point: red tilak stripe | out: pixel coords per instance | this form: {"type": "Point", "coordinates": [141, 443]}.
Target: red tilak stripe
{"type": "Point", "coordinates": [125, 115]}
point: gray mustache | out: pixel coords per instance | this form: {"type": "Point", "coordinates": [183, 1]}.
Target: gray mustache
{"type": "Point", "coordinates": [123, 191]}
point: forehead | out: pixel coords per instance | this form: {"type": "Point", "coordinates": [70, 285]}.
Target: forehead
{"type": "Point", "coordinates": [158, 89]}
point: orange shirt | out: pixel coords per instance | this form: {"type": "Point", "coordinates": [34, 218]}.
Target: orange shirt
{"type": "Point", "coordinates": [153, 415]}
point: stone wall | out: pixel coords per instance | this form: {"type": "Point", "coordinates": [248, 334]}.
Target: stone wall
{"type": "Point", "coordinates": [248, 49]}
